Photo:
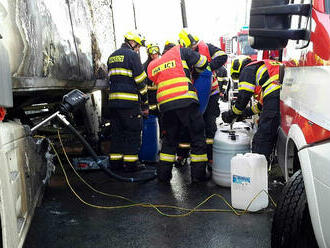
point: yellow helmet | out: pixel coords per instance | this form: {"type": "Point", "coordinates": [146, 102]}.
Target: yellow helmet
{"type": "Point", "coordinates": [237, 65]}
{"type": "Point", "coordinates": [135, 36]}
{"type": "Point", "coordinates": [168, 45]}
{"type": "Point", "coordinates": [153, 48]}
{"type": "Point", "coordinates": [169, 42]}
{"type": "Point", "coordinates": [186, 39]}
{"type": "Point", "coordinates": [181, 43]}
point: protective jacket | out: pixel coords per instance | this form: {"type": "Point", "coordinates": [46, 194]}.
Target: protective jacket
{"type": "Point", "coordinates": [171, 74]}
{"type": "Point", "coordinates": [127, 79]}
{"type": "Point", "coordinates": [216, 57]}
{"type": "Point", "coordinates": [263, 73]}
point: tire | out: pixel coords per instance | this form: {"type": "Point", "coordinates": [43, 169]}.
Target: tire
{"type": "Point", "coordinates": [292, 227]}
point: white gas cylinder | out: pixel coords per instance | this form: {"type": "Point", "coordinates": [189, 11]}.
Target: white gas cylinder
{"type": "Point", "coordinates": [249, 177]}
{"type": "Point", "coordinates": [227, 143]}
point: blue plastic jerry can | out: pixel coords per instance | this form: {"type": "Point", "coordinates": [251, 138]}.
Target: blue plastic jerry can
{"type": "Point", "coordinates": [150, 140]}
{"type": "Point", "coordinates": [203, 86]}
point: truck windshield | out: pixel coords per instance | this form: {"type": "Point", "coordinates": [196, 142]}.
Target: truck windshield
{"type": "Point", "coordinates": [244, 45]}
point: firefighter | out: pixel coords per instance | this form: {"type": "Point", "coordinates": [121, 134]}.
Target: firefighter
{"type": "Point", "coordinates": [266, 74]}
{"type": "Point", "coordinates": [153, 52]}
{"type": "Point", "coordinates": [128, 101]}
{"type": "Point", "coordinates": [183, 149]}
{"type": "Point", "coordinates": [178, 104]}
{"type": "Point", "coordinates": [216, 58]}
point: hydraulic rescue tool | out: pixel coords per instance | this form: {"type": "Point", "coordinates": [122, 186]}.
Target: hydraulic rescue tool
{"type": "Point", "coordinates": [72, 101]}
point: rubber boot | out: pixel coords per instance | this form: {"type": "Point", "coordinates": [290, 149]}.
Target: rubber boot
{"type": "Point", "coordinates": [164, 172]}
{"type": "Point", "coordinates": [198, 173]}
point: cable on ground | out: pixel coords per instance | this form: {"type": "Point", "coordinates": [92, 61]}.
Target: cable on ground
{"type": "Point", "coordinates": [156, 207]}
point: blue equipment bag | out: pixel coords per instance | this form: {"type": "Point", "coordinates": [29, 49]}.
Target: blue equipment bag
{"type": "Point", "coordinates": [150, 139]}
{"type": "Point", "coordinates": [203, 86]}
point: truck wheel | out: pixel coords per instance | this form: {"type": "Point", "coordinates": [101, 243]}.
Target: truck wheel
{"type": "Point", "coordinates": [292, 225]}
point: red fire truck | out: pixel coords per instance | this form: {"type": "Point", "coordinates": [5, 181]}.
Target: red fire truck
{"type": "Point", "coordinates": [300, 30]}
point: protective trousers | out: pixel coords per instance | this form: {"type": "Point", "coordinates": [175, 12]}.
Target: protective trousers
{"type": "Point", "coordinates": [265, 138]}
{"type": "Point", "coordinates": [183, 148]}
{"type": "Point", "coordinates": [126, 127]}
{"type": "Point", "coordinates": [173, 121]}
{"type": "Point", "coordinates": [210, 115]}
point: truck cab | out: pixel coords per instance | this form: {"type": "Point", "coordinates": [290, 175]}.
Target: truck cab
{"type": "Point", "coordinates": [242, 44]}
{"type": "Point", "coordinates": [238, 44]}
{"type": "Point", "coordinates": [300, 30]}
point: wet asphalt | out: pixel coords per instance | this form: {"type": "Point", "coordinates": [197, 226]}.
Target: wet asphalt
{"type": "Point", "coordinates": [62, 221]}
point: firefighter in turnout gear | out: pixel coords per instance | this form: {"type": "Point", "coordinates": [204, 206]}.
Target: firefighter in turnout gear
{"type": "Point", "coordinates": [183, 149]}
{"type": "Point", "coordinates": [268, 75]}
{"type": "Point", "coordinates": [128, 101]}
{"type": "Point", "coordinates": [216, 58]}
{"type": "Point", "coordinates": [178, 104]}
{"type": "Point", "coordinates": [153, 52]}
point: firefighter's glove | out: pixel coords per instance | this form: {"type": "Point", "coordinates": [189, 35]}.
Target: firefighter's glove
{"type": "Point", "coordinates": [240, 118]}
{"type": "Point", "coordinates": [145, 113]}
{"type": "Point", "coordinates": [145, 110]}
{"type": "Point", "coordinates": [228, 116]}
{"type": "Point", "coordinates": [245, 114]}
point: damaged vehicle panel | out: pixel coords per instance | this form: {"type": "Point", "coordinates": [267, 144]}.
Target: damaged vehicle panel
{"type": "Point", "coordinates": [47, 49]}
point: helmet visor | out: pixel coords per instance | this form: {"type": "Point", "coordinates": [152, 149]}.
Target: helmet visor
{"type": "Point", "coordinates": [153, 50]}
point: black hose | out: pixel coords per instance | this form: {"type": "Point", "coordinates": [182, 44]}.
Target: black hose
{"type": "Point", "coordinates": [99, 162]}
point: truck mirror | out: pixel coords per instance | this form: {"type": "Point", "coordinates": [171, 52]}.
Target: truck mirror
{"type": "Point", "coordinates": [270, 23]}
